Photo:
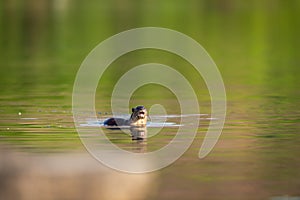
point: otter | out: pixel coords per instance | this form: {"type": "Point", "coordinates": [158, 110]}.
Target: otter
{"type": "Point", "coordinates": [138, 118]}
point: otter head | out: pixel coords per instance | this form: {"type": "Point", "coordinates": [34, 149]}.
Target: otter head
{"type": "Point", "coordinates": [138, 116]}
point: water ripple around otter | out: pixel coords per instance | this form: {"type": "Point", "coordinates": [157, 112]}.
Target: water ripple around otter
{"type": "Point", "coordinates": [156, 121]}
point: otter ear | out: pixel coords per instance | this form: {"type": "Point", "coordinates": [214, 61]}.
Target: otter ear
{"type": "Point", "coordinates": [132, 109]}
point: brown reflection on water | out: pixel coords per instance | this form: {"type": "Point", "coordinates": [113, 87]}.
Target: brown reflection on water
{"type": "Point", "coordinates": [68, 176]}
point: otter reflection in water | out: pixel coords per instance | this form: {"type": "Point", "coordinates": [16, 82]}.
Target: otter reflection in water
{"type": "Point", "coordinates": [138, 132]}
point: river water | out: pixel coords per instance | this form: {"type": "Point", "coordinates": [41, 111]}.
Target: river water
{"type": "Point", "coordinates": [256, 48]}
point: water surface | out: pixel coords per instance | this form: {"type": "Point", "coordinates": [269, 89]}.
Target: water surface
{"type": "Point", "coordinates": [256, 47]}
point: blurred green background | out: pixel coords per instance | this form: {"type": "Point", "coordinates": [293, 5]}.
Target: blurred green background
{"type": "Point", "coordinates": [254, 43]}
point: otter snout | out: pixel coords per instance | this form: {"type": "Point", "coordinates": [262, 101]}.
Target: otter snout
{"type": "Point", "coordinates": [141, 115]}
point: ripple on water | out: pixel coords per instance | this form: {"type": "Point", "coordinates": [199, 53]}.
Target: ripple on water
{"type": "Point", "coordinates": [156, 121]}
